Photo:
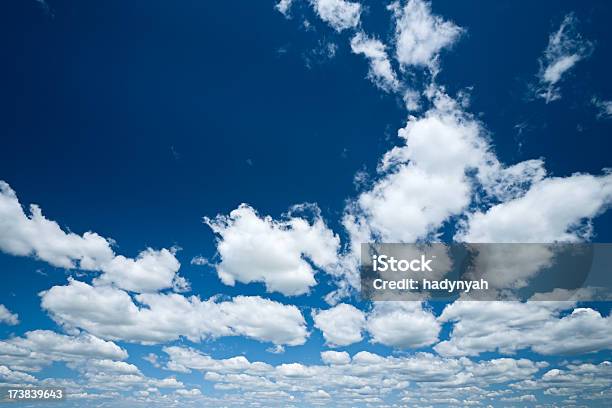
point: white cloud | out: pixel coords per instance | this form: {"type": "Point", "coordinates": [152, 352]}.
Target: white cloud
{"type": "Point", "coordinates": [421, 185]}
{"type": "Point", "coordinates": [340, 14]}
{"type": "Point", "coordinates": [284, 7]}
{"type": "Point", "coordinates": [184, 359]}
{"type": "Point", "coordinates": [335, 357]}
{"type": "Point", "coordinates": [402, 325]}
{"type": "Point", "coordinates": [366, 377]}
{"type": "Point", "coordinates": [40, 348]}
{"type": "Point", "coordinates": [111, 313]}
{"type": "Point", "coordinates": [565, 48]}
{"type": "Point", "coordinates": [341, 325]}
{"type": "Point", "coordinates": [394, 324]}
{"type": "Point", "coordinates": [8, 376]}
{"type": "Point", "coordinates": [260, 249]}
{"type": "Point", "coordinates": [35, 235]}
{"type": "Point", "coordinates": [604, 108]}
{"type": "Point", "coordinates": [381, 72]}
{"type": "Point", "coordinates": [150, 271]}
{"type": "Point", "coordinates": [545, 213]}
{"type": "Point", "coordinates": [420, 35]}
{"type": "Point", "coordinates": [508, 327]}
{"type": "Point", "coordinates": [6, 316]}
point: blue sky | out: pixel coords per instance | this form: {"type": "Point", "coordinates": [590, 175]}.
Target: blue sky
{"type": "Point", "coordinates": [150, 123]}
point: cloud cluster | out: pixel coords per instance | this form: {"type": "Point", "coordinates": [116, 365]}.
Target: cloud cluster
{"type": "Point", "coordinates": [401, 325]}
{"type": "Point", "coordinates": [281, 254]}
{"type": "Point", "coordinates": [39, 348]}
{"type": "Point", "coordinates": [508, 327]}
{"type": "Point", "coordinates": [364, 377]}
{"type": "Point", "coordinates": [111, 313]}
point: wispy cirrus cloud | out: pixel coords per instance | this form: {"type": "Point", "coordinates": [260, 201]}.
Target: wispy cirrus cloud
{"type": "Point", "coordinates": [566, 47]}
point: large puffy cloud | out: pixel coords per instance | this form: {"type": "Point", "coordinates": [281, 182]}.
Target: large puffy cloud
{"type": "Point", "coordinates": [340, 14]}
{"type": "Point", "coordinates": [395, 324]}
{"type": "Point", "coordinates": [421, 185]}
{"type": "Point", "coordinates": [111, 313]}
{"type": "Point", "coordinates": [545, 213]}
{"type": "Point", "coordinates": [565, 48]}
{"type": "Point", "coordinates": [6, 316]}
{"type": "Point", "coordinates": [508, 327]}
{"type": "Point", "coordinates": [280, 254]}
{"type": "Point", "coordinates": [420, 35]}
{"type": "Point", "coordinates": [35, 235]}
{"type": "Point", "coordinates": [341, 325]}
{"type": "Point", "coordinates": [150, 271]}
{"type": "Point", "coordinates": [381, 72]}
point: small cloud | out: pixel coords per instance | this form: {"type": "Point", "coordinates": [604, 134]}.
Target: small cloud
{"type": "Point", "coordinates": [277, 349]}
{"type": "Point", "coordinates": [604, 108]}
{"type": "Point", "coordinates": [201, 261]}
{"type": "Point", "coordinates": [175, 153]}
{"type": "Point", "coordinates": [7, 317]}
{"type": "Point", "coordinates": [284, 7]}
{"type": "Point", "coordinates": [324, 51]}
{"type": "Point", "coordinates": [565, 48]}
{"type": "Point", "coordinates": [153, 359]}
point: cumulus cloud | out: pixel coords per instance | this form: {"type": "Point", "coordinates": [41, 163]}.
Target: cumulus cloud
{"type": "Point", "coordinates": [341, 325]}
{"type": "Point", "coordinates": [508, 327]}
{"type": "Point", "coordinates": [150, 271]}
{"type": "Point", "coordinates": [281, 254]}
{"type": "Point", "coordinates": [565, 48]}
{"type": "Point", "coordinates": [8, 376]}
{"type": "Point", "coordinates": [340, 14]}
{"type": "Point", "coordinates": [39, 348]}
{"type": "Point", "coordinates": [422, 187]}
{"type": "Point", "coordinates": [394, 324]}
{"type": "Point", "coordinates": [112, 313]}
{"type": "Point", "coordinates": [366, 377]}
{"type": "Point", "coordinates": [7, 317]}
{"type": "Point", "coordinates": [335, 357]}
{"type": "Point", "coordinates": [545, 213]}
{"type": "Point", "coordinates": [381, 72]}
{"type": "Point", "coordinates": [402, 325]}
{"type": "Point", "coordinates": [35, 235]}
{"type": "Point", "coordinates": [421, 35]}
